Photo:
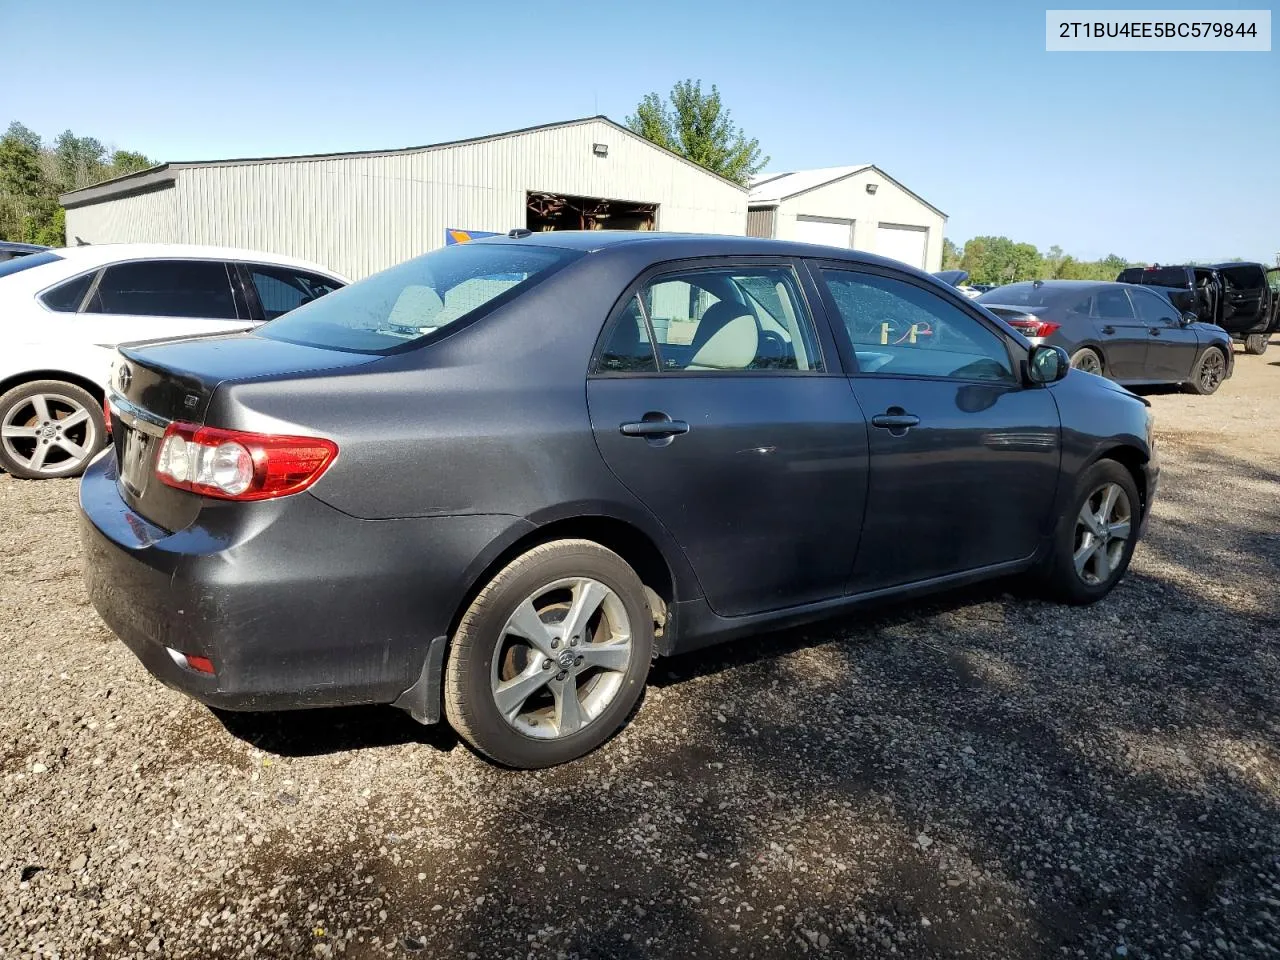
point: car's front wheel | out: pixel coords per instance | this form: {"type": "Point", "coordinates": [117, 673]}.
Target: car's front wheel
{"type": "Point", "coordinates": [1257, 343]}
{"type": "Point", "coordinates": [48, 429]}
{"type": "Point", "coordinates": [1209, 373]}
{"type": "Point", "coordinates": [551, 657]}
{"type": "Point", "coordinates": [1094, 540]}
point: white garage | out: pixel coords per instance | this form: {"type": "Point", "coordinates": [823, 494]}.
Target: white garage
{"type": "Point", "coordinates": [857, 206]}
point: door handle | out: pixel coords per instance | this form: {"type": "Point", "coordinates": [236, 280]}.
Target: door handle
{"type": "Point", "coordinates": [1108, 330]}
{"type": "Point", "coordinates": [654, 428]}
{"type": "Point", "coordinates": [895, 421]}
{"type": "Point", "coordinates": [1154, 331]}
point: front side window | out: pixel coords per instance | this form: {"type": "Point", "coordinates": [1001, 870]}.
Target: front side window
{"type": "Point", "coordinates": [730, 320]}
{"type": "Point", "coordinates": [899, 329]}
{"type": "Point", "coordinates": [165, 288]}
{"type": "Point", "coordinates": [411, 301]}
{"type": "Point", "coordinates": [1113, 304]}
{"type": "Point", "coordinates": [66, 297]}
{"type": "Point", "coordinates": [281, 289]}
{"type": "Point", "coordinates": [1153, 310]}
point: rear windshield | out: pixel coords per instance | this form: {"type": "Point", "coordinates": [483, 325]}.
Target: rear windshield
{"type": "Point", "coordinates": [407, 303]}
{"type": "Point", "coordinates": [1157, 277]}
{"type": "Point", "coordinates": [26, 263]}
{"type": "Point", "coordinates": [1022, 295]}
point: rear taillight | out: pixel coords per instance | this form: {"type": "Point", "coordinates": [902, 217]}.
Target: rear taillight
{"type": "Point", "coordinates": [1033, 327]}
{"type": "Point", "coordinates": [236, 465]}
{"type": "Point", "coordinates": [106, 413]}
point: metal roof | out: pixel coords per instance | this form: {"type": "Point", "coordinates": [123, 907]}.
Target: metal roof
{"type": "Point", "coordinates": [771, 189]}
{"type": "Point", "coordinates": [165, 173]}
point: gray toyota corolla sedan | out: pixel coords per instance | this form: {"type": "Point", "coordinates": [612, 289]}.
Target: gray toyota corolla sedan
{"type": "Point", "coordinates": [494, 482]}
{"type": "Point", "coordinates": [1118, 330]}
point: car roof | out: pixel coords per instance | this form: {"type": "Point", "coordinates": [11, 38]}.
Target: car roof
{"type": "Point", "coordinates": [98, 254]}
{"type": "Point", "coordinates": [663, 246]}
{"type": "Point", "coordinates": [1066, 286]}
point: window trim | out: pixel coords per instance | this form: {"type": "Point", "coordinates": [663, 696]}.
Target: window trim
{"type": "Point", "coordinates": [810, 299]}
{"type": "Point", "coordinates": [1016, 353]}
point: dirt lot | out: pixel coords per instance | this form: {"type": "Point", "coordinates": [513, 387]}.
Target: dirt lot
{"type": "Point", "coordinates": [981, 775]}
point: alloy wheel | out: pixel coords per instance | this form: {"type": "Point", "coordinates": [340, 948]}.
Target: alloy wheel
{"type": "Point", "coordinates": [1103, 527]}
{"type": "Point", "coordinates": [1212, 369]}
{"type": "Point", "coordinates": [1087, 361]}
{"type": "Point", "coordinates": [48, 433]}
{"type": "Point", "coordinates": [561, 658]}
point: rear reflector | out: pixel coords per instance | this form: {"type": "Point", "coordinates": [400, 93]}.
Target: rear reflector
{"type": "Point", "coordinates": [237, 465]}
{"type": "Point", "coordinates": [1033, 327]}
{"type": "Point", "coordinates": [191, 661]}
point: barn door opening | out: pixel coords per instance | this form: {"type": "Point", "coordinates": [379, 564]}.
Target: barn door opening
{"type": "Point", "coordinates": [558, 211]}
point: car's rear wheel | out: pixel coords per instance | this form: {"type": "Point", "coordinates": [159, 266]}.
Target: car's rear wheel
{"type": "Point", "coordinates": [1094, 540]}
{"type": "Point", "coordinates": [1257, 343]}
{"type": "Point", "coordinates": [48, 429]}
{"type": "Point", "coordinates": [1088, 360]}
{"type": "Point", "coordinates": [551, 657]}
{"type": "Point", "coordinates": [1209, 373]}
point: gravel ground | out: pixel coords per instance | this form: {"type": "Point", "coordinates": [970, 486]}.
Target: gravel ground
{"type": "Point", "coordinates": [975, 776]}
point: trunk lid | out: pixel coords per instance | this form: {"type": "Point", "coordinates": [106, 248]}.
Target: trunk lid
{"type": "Point", "coordinates": [155, 383]}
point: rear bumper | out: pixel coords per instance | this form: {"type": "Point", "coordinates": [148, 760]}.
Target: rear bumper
{"type": "Point", "coordinates": [295, 603]}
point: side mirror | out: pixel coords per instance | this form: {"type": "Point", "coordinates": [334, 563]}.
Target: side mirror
{"type": "Point", "coordinates": [1047, 364]}
{"type": "Point", "coordinates": [1190, 317]}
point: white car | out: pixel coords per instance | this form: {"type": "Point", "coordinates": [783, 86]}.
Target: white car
{"type": "Point", "coordinates": [64, 311]}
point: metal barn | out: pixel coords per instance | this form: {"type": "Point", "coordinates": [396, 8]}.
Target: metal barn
{"type": "Point", "coordinates": [361, 212]}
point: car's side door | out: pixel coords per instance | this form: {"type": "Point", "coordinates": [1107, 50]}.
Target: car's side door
{"type": "Point", "coordinates": [1122, 336]}
{"type": "Point", "coordinates": [964, 456]}
{"type": "Point", "coordinates": [1172, 345]}
{"type": "Point", "coordinates": [155, 299]}
{"type": "Point", "coordinates": [1245, 298]}
{"type": "Point", "coordinates": [741, 437]}
{"type": "Point", "coordinates": [273, 290]}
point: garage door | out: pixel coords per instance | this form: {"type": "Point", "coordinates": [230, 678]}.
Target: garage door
{"type": "Point", "coordinates": [830, 231]}
{"type": "Point", "coordinates": [904, 243]}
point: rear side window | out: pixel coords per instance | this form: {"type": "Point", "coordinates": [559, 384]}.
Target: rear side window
{"type": "Point", "coordinates": [629, 348]}
{"type": "Point", "coordinates": [281, 289]}
{"type": "Point", "coordinates": [1113, 304]}
{"type": "Point", "coordinates": [166, 288]}
{"type": "Point", "coordinates": [1248, 277]}
{"type": "Point", "coordinates": [20, 263]}
{"type": "Point", "coordinates": [730, 320]}
{"type": "Point", "coordinates": [67, 297]}
{"type": "Point", "coordinates": [419, 297]}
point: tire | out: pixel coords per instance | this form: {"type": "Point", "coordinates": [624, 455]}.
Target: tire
{"type": "Point", "coordinates": [498, 652]}
{"type": "Point", "coordinates": [1060, 576]}
{"type": "Point", "coordinates": [1209, 372]}
{"type": "Point", "coordinates": [48, 429]}
{"type": "Point", "coordinates": [1257, 343]}
{"type": "Point", "coordinates": [1089, 360]}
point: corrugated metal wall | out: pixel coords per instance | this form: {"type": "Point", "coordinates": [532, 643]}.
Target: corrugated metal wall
{"type": "Point", "coordinates": [760, 223]}
{"type": "Point", "coordinates": [358, 215]}
{"type": "Point", "coordinates": [150, 217]}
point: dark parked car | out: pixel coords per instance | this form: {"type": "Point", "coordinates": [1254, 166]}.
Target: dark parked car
{"type": "Point", "coordinates": [495, 481]}
{"type": "Point", "coordinates": [11, 249]}
{"type": "Point", "coordinates": [1128, 333]}
{"type": "Point", "coordinates": [1239, 296]}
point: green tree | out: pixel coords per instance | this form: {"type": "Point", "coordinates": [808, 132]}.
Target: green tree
{"type": "Point", "coordinates": [697, 126]}
{"type": "Point", "coordinates": [951, 255]}
{"type": "Point", "coordinates": [126, 161]}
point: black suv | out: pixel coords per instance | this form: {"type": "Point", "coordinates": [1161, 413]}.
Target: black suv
{"type": "Point", "coordinates": [1240, 297]}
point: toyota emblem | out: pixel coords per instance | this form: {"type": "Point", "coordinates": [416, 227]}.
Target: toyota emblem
{"type": "Point", "coordinates": [124, 377]}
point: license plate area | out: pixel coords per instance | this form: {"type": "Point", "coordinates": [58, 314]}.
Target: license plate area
{"type": "Point", "coordinates": [135, 460]}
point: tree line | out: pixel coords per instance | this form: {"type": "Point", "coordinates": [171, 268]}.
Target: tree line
{"type": "Point", "coordinates": [1000, 260]}
{"type": "Point", "coordinates": [34, 173]}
